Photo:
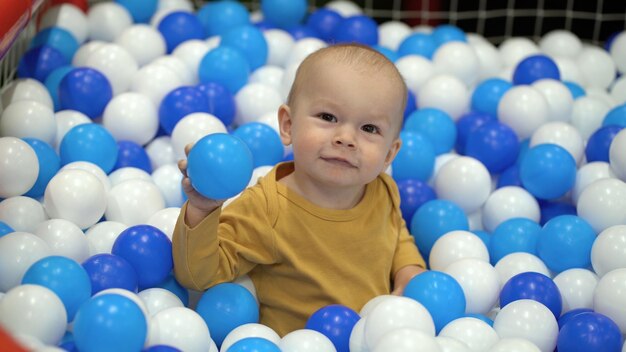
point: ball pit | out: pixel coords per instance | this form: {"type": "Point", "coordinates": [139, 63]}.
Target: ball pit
{"type": "Point", "coordinates": [511, 178]}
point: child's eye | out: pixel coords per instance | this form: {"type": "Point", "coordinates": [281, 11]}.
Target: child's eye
{"type": "Point", "coordinates": [370, 129]}
{"type": "Point", "coordinates": [327, 117]}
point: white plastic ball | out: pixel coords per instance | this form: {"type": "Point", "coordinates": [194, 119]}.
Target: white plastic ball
{"type": "Point", "coordinates": [168, 178]}
{"type": "Point", "coordinates": [165, 220]}
{"type": "Point", "coordinates": [213, 42]}
{"type": "Point", "coordinates": [184, 5]}
{"type": "Point", "coordinates": [587, 115]}
{"type": "Point", "coordinates": [131, 117]}
{"type": "Point", "coordinates": [248, 284]}
{"type": "Point", "coordinates": [176, 64]}
{"type": "Point", "coordinates": [445, 92]}
{"type": "Point", "coordinates": [603, 204]}
{"type": "Point", "coordinates": [22, 213]}
{"type": "Point", "coordinates": [18, 251]}
{"type": "Point", "coordinates": [306, 340]}
{"type": "Point", "coordinates": [179, 327]}
{"type": "Point", "coordinates": [128, 173]}
{"type": "Point", "coordinates": [344, 7]}
{"type": "Point", "coordinates": [269, 75]}
{"type": "Point", "coordinates": [357, 337]}
{"type": "Point", "coordinates": [464, 181]}
{"type": "Point", "coordinates": [576, 287]}
{"type": "Point", "coordinates": [440, 161]}
{"type": "Point", "coordinates": [161, 152]}
{"type": "Point", "coordinates": [20, 167]}
{"type": "Point", "coordinates": [618, 51]}
{"type": "Point", "coordinates": [259, 172]}
{"type": "Point", "coordinates": [156, 299]}
{"type": "Point", "coordinates": [454, 246]}
{"type": "Point", "coordinates": [34, 310]}
{"type": "Point", "coordinates": [609, 250]}
{"type": "Point", "coordinates": [160, 13]}
{"type": "Point", "coordinates": [407, 339]}
{"type": "Point", "coordinates": [480, 283]}
{"type": "Point", "coordinates": [568, 70]}
{"type": "Point", "coordinates": [254, 100]}
{"type": "Point", "coordinates": [560, 42]}
{"type": "Point", "coordinates": [302, 48]}
{"type": "Point", "coordinates": [116, 64]}
{"type": "Point", "coordinates": [489, 59]}
{"type": "Point", "coordinates": [601, 94]}
{"type": "Point", "coordinates": [473, 332]}
{"type": "Point", "coordinates": [458, 59]}
{"type": "Point", "coordinates": [68, 17]}
{"type": "Point", "coordinates": [596, 66]}
{"type": "Point", "coordinates": [610, 297]}
{"type": "Point", "coordinates": [84, 51]}
{"type": "Point", "coordinates": [64, 238]}
{"type": "Point", "coordinates": [133, 202]}
{"type": "Point", "coordinates": [28, 119]}
{"type": "Point", "coordinates": [524, 109]}
{"type": "Point", "coordinates": [288, 78]}
{"type": "Point", "coordinates": [509, 202]}
{"type": "Point", "coordinates": [392, 33]}
{"type": "Point", "coordinates": [102, 236]}
{"type": "Point", "coordinates": [416, 70]}
{"type": "Point", "coordinates": [449, 344]}
{"type": "Point", "coordinates": [75, 195]}
{"type": "Point", "coordinates": [530, 320]}
{"type": "Point", "coordinates": [25, 89]}
{"type": "Point", "coordinates": [249, 330]}
{"type": "Point", "coordinates": [515, 49]}
{"type": "Point", "coordinates": [517, 263]}
{"type": "Point", "coordinates": [587, 174]}
{"type": "Point", "coordinates": [143, 42]}
{"type": "Point", "coordinates": [559, 99]}
{"type": "Point", "coordinates": [191, 52]}
{"type": "Point", "coordinates": [65, 120]}
{"type": "Point", "coordinates": [279, 46]}
{"type": "Point", "coordinates": [617, 155]}
{"type": "Point", "coordinates": [562, 134]}
{"type": "Point", "coordinates": [107, 20]}
{"type": "Point", "coordinates": [511, 344]}
{"type": "Point", "coordinates": [618, 90]}
{"type": "Point", "coordinates": [394, 313]}
{"type": "Point", "coordinates": [192, 128]}
{"type": "Point", "coordinates": [92, 169]}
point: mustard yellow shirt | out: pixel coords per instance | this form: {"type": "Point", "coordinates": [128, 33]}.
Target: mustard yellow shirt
{"type": "Point", "coordinates": [300, 257]}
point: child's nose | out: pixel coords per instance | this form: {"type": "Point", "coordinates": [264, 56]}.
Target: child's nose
{"type": "Point", "coordinates": [344, 137]}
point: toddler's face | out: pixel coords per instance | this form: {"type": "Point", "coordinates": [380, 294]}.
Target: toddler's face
{"type": "Point", "coordinates": [344, 124]}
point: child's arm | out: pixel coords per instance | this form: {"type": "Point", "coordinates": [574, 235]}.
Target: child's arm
{"type": "Point", "coordinates": [403, 276]}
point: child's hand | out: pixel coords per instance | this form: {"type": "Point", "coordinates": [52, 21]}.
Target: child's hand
{"type": "Point", "coordinates": [403, 276]}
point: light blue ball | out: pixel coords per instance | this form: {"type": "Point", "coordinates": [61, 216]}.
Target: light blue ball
{"type": "Point", "coordinates": [225, 65]}
{"type": "Point", "coordinates": [89, 142]}
{"type": "Point", "coordinates": [436, 125]}
{"type": "Point", "coordinates": [250, 41]}
{"type": "Point", "coordinates": [49, 164]}
{"type": "Point", "coordinates": [284, 13]}
{"type": "Point", "coordinates": [263, 141]}
{"type": "Point", "coordinates": [415, 159]}
{"type": "Point", "coordinates": [219, 17]}
{"type": "Point", "coordinates": [548, 171]}
{"type": "Point", "coordinates": [565, 243]}
{"type": "Point", "coordinates": [434, 219]}
{"type": "Point", "coordinates": [514, 235]}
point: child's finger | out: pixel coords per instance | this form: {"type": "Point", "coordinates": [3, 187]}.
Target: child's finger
{"type": "Point", "coordinates": [182, 166]}
{"type": "Point", "coordinates": [188, 148]}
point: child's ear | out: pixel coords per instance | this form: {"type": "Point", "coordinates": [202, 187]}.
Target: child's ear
{"type": "Point", "coordinates": [284, 124]}
{"type": "Point", "coordinates": [393, 151]}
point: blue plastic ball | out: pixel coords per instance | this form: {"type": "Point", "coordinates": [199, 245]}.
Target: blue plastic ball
{"type": "Point", "coordinates": [226, 66]}
{"type": "Point", "coordinates": [411, 105]}
{"type": "Point", "coordinates": [434, 219]}
{"type": "Point", "coordinates": [149, 252]}
{"type": "Point", "coordinates": [548, 171]}
{"type": "Point", "coordinates": [509, 177]}
{"type": "Point", "coordinates": [447, 33]}
{"type": "Point", "coordinates": [599, 143]}
{"type": "Point", "coordinates": [263, 141]}
{"type": "Point", "coordinates": [534, 286]}
{"type": "Point", "coordinates": [179, 103]}
{"type": "Point", "coordinates": [49, 164]}
{"type": "Point", "coordinates": [219, 17]}
{"type": "Point", "coordinates": [324, 21]}
{"type": "Point", "coordinates": [389, 54]}
{"type": "Point", "coordinates": [63, 276]}
{"type": "Point", "coordinates": [494, 144]}
{"type": "Point", "coordinates": [576, 90]}
{"type": "Point", "coordinates": [85, 90]}
{"type": "Point", "coordinates": [415, 159]}
{"type": "Point", "coordinates": [484, 236]}
{"type": "Point", "coordinates": [89, 142]}
{"type": "Point", "coordinates": [253, 344]}
{"type": "Point", "coordinates": [590, 332]}
{"type": "Point", "coordinates": [110, 322]}
{"type": "Point", "coordinates": [226, 306]}
{"type": "Point", "coordinates": [161, 348]}
{"type": "Point", "coordinates": [284, 13]}
{"type": "Point", "coordinates": [567, 316]}
{"type": "Point", "coordinates": [180, 26]}
{"type": "Point", "coordinates": [356, 29]}
{"type": "Point", "coordinates": [434, 124]}
{"type": "Point", "coordinates": [5, 228]}
{"type": "Point", "coordinates": [221, 101]}
{"type": "Point", "coordinates": [250, 41]}
{"type": "Point", "coordinates": [418, 44]}
{"type": "Point", "coordinates": [550, 210]}
{"type": "Point", "coordinates": [413, 193]}
{"type": "Point", "coordinates": [220, 166]}
{"type": "Point", "coordinates": [487, 95]}
{"type": "Point", "coordinates": [52, 83]}
{"type": "Point", "coordinates": [132, 154]}
{"type": "Point", "coordinates": [301, 31]}
{"type": "Point", "coordinates": [440, 294]}
{"type": "Point", "coordinates": [534, 68]}
{"type": "Point", "coordinates": [334, 321]}
{"type": "Point", "coordinates": [39, 61]}
{"type": "Point", "coordinates": [110, 271]}
{"type": "Point", "coordinates": [140, 10]}
{"type": "Point", "coordinates": [616, 116]}
{"type": "Point", "coordinates": [58, 38]}
{"type": "Point", "coordinates": [565, 243]}
{"type": "Point", "coordinates": [514, 235]}
{"type": "Point", "coordinates": [466, 124]}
